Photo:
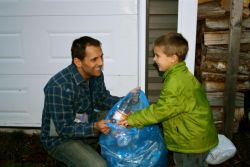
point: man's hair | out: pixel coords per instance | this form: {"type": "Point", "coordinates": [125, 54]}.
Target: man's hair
{"type": "Point", "coordinates": [173, 44]}
{"type": "Point", "coordinates": [79, 46]}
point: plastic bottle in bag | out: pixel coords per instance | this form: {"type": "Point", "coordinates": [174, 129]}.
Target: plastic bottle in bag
{"type": "Point", "coordinates": [123, 139]}
{"type": "Point", "coordinates": [123, 110]}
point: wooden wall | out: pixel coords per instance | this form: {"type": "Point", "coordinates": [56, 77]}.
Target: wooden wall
{"type": "Point", "coordinates": [212, 55]}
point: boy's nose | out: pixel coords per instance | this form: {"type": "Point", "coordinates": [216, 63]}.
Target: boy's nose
{"type": "Point", "coordinates": [154, 59]}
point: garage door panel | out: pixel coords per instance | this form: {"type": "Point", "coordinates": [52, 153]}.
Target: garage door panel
{"type": "Point", "coordinates": [44, 46]}
{"type": "Point", "coordinates": [35, 43]}
{"type": "Point", "coordinates": [11, 51]}
{"type": "Point", "coordinates": [119, 42]}
{"type": "Point", "coordinates": [67, 7]}
{"type": "Point", "coordinates": [14, 40]}
{"type": "Point", "coordinates": [120, 85]}
{"type": "Point", "coordinates": [17, 94]}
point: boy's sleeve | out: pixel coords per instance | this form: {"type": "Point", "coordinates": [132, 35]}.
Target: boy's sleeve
{"type": "Point", "coordinates": [167, 107]}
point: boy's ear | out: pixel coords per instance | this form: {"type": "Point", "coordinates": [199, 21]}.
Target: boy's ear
{"type": "Point", "coordinates": [77, 62]}
{"type": "Point", "coordinates": [175, 58]}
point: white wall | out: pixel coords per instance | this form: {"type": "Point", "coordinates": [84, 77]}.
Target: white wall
{"type": "Point", "coordinates": [35, 42]}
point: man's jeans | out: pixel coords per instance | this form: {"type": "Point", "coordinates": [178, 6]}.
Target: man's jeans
{"type": "Point", "coordinates": [190, 160]}
{"type": "Point", "coordinates": [76, 153]}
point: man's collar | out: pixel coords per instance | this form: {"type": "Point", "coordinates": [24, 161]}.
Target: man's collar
{"type": "Point", "coordinates": [77, 76]}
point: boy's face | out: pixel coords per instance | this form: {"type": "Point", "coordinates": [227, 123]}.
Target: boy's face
{"type": "Point", "coordinates": [164, 61]}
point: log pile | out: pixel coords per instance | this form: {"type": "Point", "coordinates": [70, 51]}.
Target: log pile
{"type": "Point", "coordinates": [212, 52]}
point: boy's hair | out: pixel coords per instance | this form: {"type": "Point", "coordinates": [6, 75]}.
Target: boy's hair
{"type": "Point", "coordinates": [173, 44]}
{"type": "Point", "coordinates": [79, 46]}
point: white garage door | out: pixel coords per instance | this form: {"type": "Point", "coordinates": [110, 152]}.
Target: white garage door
{"type": "Point", "coordinates": [35, 41]}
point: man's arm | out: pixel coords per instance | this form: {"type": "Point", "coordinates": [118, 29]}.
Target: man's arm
{"type": "Point", "coordinates": [103, 99]}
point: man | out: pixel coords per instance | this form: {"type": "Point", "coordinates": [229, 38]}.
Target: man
{"type": "Point", "coordinates": [72, 98]}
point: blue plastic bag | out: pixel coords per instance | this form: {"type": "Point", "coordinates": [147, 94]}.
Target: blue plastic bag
{"type": "Point", "coordinates": [133, 147]}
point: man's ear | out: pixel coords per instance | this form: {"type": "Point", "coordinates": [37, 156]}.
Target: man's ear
{"type": "Point", "coordinates": [77, 62]}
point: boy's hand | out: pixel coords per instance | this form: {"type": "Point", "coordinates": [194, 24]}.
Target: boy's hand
{"type": "Point", "coordinates": [123, 123]}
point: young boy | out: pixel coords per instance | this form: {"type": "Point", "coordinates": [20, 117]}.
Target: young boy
{"type": "Point", "coordinates": [182, 107]}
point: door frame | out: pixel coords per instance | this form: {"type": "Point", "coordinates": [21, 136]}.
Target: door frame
{"type": "Point", "coordinates": [187, 22]}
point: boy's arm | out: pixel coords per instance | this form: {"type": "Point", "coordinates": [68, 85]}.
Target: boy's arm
{"type": "Point", "coordinates": [167, 107]}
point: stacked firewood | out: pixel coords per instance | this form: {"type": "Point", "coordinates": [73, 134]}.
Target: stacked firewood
{"type": "Point", "coordinates": [212, 53]}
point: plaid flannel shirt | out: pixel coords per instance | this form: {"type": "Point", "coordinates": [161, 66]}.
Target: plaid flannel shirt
{"type": "Point", "coordinates": [66, 95]}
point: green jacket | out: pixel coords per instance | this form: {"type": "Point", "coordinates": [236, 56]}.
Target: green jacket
{"type": "Point", "coordinates": [184, 112]}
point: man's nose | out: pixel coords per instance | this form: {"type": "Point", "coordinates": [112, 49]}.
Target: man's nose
{"type": "Point", "coordinates": [100, 62]}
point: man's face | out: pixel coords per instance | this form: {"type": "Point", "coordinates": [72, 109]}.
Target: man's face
{"type": "Point", "coordinates": [92, 63]}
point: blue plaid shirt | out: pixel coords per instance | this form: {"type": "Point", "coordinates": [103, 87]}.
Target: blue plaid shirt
{"type": "Point", "coordinates": [66, 95]}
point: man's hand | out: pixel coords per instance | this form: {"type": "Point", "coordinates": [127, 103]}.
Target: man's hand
{"type": "Point", "coordinates": [102, 127]}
